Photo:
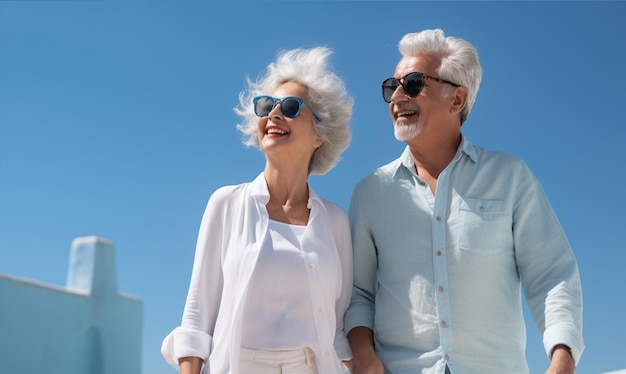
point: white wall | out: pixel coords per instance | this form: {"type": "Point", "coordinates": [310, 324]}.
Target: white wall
{"type": "Point", "coordinates": [86, 327]}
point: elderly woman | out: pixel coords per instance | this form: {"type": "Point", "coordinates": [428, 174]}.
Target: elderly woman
{"type": "Point", "coordinates": [272, 274]}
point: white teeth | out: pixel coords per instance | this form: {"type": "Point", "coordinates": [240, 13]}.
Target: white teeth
{"type": "Point", "coordinates": [276, 131]}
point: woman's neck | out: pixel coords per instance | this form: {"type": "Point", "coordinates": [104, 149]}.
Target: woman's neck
{"type": "Point", "coordinates": [289, 195]}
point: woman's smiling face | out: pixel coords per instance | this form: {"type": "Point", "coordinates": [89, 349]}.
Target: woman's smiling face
{"type": "Point", "coordinates": [288, 136]}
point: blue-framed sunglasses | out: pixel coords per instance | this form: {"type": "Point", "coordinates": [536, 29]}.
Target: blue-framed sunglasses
{"type": "Point", "coordinates": [290, 106]}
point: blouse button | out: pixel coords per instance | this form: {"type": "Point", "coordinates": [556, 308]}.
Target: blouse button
{"type": "Point", "coordinates": [438, 253]}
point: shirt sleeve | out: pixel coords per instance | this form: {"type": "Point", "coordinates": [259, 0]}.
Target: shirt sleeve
{"type": "Point", "coordinates": [547, 266]}
{"type": "Point", "coordinates": [361, 310]}
{"type": "Point", "coordinates": [194, 337]}
{"type": "Point", "coordinates": [341, 231]}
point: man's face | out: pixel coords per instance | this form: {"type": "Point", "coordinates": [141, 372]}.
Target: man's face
{"type": "Point", "coordinates": [414, 116]}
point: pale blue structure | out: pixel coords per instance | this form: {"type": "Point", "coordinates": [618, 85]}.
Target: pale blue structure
{"type": "Point", "coordinates": [86, 327]}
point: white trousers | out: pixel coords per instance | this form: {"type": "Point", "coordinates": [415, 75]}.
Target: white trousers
{"type": "Point", "coordinates": [300, 361]}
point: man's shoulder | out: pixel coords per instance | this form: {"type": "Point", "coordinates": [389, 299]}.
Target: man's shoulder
{"type": "Point", "coordinates": [386, 171]}
{"type": "Point", "coordinates": [380, 177]}
{"type": "Point", "coordinates": [483, 155]}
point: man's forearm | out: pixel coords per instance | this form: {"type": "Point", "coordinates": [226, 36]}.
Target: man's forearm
{"type": "Point", "coordinates": [365, 360]}
{"type": "Point", "coordinates": [361, 340]}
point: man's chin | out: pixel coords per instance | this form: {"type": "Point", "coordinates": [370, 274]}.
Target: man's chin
{"type": "Point", "coordinates": [405, 133]}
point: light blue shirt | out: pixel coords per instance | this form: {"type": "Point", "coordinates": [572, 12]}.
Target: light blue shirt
{"type": "Point", "coordinates": [438, 277]}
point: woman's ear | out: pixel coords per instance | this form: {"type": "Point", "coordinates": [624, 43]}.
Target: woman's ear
{"type": "Point", "coordinates": [318, 143]}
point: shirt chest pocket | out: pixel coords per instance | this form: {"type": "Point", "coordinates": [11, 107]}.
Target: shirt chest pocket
{"type": "Point", "coordinates": [484, 227]}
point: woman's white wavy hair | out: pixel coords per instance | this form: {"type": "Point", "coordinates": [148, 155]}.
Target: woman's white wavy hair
{"type": "Point", "coordinates": [327, 97]}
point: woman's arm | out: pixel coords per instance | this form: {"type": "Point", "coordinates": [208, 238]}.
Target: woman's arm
{"type": "Point", "coordinates": [194, 337]}
{"type": "Point", "coordinates": [190, 365]}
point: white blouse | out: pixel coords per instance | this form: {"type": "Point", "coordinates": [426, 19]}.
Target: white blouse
{"type": "Point", "coordinates": [276, 316]}
{"type": "Point", "coordinates": [234, 228]}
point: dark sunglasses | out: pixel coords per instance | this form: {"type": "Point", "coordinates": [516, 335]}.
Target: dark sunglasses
{"type": "Point", "coordinates": [290, 106]}
{"type": "Point", "coordinates": [412, 84]}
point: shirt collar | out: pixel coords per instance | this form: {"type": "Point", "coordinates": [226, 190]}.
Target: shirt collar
{"type": "Point", "coordinates": [258, 189]}
{"type": "Point", "coordinates": [466, 147]}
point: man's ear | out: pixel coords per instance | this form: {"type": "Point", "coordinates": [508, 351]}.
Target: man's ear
{"type": "Point", "coordinates": [459, 96]}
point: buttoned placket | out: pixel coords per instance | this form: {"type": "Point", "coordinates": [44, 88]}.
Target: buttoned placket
{"type": "Point", "coordinates": [439, 206]}
{"type": "Point", "coordinates": [440, 268]}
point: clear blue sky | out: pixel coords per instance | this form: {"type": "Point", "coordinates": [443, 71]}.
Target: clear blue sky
{"type": "Point", "coordinates": [116, 120]}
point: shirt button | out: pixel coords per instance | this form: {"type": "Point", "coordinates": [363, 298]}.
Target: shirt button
{"type": "Point", "coordinates": [438, 253]}
{"type": "Point", "coordinates": [319, 309]}
{"type": "Point", "coordinates": [312, 266]}
{"type": "Point", "coordinates": [422, 183]}
{"type": "Point", "coordinates": [440, 288]}
{"type": "Point", "coordinates": [447, 357]}
{"type": "Point", "coordinates": [444, 323]}
{"type": "Point", "coordinates": [438, 218]}
{"type": "Point", "coordinates": [482, 208]}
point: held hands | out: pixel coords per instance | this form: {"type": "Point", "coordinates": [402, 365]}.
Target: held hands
{"type": "Point", "coordinates": [348, 365]}
{"type": "Point", "coordinates": [365, 360]}
{"type": "Point", "coordinates": [562, 361]}
{"type": "Point", "coordinates": [367, 365]}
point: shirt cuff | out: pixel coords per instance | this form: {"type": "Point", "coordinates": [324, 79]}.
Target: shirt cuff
{"type": "Point", "coordinates": [569, 337]}
{"type": "Point", "coordinates": [182, 342]}
{"type": "Point", "coordinates": [358, 316]}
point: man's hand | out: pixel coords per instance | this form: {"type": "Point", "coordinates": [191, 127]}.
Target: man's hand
{"type": "Point", "coordinates": [367, 365]}
{"type": "Point", "coordinates": [562, 361]}
{"type": "Point", "coordinates": [365, 360]}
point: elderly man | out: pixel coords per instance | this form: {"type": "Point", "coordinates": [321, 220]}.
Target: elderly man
{"type": "Point", "coordinates": [446, 237]}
